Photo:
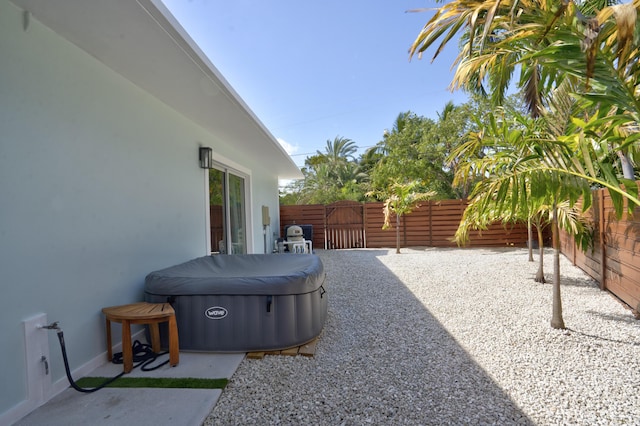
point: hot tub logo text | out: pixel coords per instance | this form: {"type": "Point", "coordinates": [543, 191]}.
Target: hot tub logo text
{"type": "Point", "coordinates": [216, 312]}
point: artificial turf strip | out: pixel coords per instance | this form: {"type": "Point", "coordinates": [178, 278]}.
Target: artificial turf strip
{"type": "Point", "coordinates": [153, 382]}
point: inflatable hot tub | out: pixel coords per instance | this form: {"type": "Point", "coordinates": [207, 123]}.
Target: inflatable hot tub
{"type": "Point", "coordinates": [243, 303]}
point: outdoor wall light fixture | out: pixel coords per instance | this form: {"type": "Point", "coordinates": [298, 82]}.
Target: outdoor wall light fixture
{"type": "Point", "coordinates": [206, 158]}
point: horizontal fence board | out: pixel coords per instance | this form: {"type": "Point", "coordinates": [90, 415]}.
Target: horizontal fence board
{"type": "Point", "coordinates": [432, 224]}
{"type": "Point", "coordinates": [435, 223]}
{"type": "Point", "coordinates": [620, 241]}
{"type": "Point", "coordinates": [623, 287]}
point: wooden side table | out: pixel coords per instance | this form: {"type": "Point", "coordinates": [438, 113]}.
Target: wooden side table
{"type": "Point", "coordinates": [142, 313]}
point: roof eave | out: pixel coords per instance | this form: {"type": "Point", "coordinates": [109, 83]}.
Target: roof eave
{"type": "Point", "coordinates": [142, 41]}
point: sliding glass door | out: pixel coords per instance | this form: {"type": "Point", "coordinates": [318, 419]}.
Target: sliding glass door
{"type": "Point", "coordinates": [227, 205]}
{"type": "Point", "coordinates": [237, 218]}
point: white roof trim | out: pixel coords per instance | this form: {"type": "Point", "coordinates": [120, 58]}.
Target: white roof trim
{"type": "Point", "coordinates": [144, 43]}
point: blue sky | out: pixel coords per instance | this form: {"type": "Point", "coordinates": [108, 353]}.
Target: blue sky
{"type": "Point", "coordinates": [312, 71]}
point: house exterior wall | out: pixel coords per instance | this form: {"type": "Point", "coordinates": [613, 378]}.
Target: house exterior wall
{"type": "Point", "coordinates": [265, 193]}
{"type": "Point", "coordinates": [99, 185]}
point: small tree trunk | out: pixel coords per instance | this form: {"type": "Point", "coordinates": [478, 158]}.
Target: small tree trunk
{"type": "Point", "coordinates": [397, 233]}
{"type": "Point", "coordinates": [556, 319]}
{"type": "Point", "coordinates": [530, 239]}
{"type": "Point", "coordinates": [540, 274]}
{"type": "Point", "coordinates": [626, 165]}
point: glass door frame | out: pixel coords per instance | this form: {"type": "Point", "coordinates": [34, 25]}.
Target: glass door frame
{"type": "Point", "coordinates": [246, 176]}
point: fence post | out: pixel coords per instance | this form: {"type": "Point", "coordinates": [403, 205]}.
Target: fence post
{"type": "Point", "coordinates": [403, 228]}
{"type": "Point", "coordinates": [575, 250]}
{"type": "Point", "coordinates": [430, 223]}
{"type": "Point", "coordinates": [603, 247]}
{"type": "Point", "coordinates": [324, 226]}
{"type": "Point", "coordinates": [364, 225]}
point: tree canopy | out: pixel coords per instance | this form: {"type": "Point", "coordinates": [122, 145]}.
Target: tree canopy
{"type": "Point", "coordinates": [413, 148]}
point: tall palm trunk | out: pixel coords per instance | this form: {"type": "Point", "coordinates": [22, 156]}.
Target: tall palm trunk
{"type": "Point", "coordinates": [540, 274]}
{"type": "Point", "coordinates": [627, 165]}
{"type": "Point", "coordinates": [556, 319]}
{"type": "Point", "coordinates": [530, 239]}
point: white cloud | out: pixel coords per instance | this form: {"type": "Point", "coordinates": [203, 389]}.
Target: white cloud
{"type": "Point", "coordinates": [291, 149]}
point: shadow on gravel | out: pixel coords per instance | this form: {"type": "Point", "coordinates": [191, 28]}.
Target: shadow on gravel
{"type": "Point", "coordinates": [626, 319]}
{"type": "Point", "coordinates": [395, 362]}
{"type": "Point", "coordinates": [575, 282]}
{"type": "Point", "coordinates": [604, 339]}
{"type": "Point", "coordinates": [487, 251]}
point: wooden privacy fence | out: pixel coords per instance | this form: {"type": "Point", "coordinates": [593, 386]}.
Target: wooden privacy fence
{"type": "Point", "coordinates": [349, 224]}
{"type": "Point", "coordinates": [614, 260]}
{"type": "Point", "coordinates": [345, 225]}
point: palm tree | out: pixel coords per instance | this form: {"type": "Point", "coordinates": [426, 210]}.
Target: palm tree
{"type": "Point", "coordinates": [515, 187]}
{"type": "Point", "coordinates": [401, 199]}
{"type": "Point", "coordinates": [505, 194]}
{"type": "Point", "coordinates": [332, 175]}
{"type": "Point", "coordinates": [603, 54]}
{"type": "Point", "coordinates": [549, 42]}
{"type": "Point", "coordinates": [338, 151]}
{"type": "Point", "coordinates": [495, 35]}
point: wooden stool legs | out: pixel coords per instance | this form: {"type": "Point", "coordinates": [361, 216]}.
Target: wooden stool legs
{"type": "Point", "coordinates": [174, 352]}
{"type": "Point", "coordinates": [150, 314]}
{"type": "Point", "coordinates": [109, 348]}
{"type": "Point", "coordinates": [154, 332]}
{"type": "Point", "coordinates": [127, 350]}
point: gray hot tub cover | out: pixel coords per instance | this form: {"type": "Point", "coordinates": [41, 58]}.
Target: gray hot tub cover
{"type": "Point", "coordinates": [250, 274]}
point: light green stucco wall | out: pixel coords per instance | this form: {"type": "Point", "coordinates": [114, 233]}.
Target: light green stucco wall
{"type": "Point", "coordinates": [99, 185]}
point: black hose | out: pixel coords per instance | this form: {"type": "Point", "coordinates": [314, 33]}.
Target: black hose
{"type": "Point", "coordinates": [142, 353]}
{"type": "Point", "coordinates": [66, 369]}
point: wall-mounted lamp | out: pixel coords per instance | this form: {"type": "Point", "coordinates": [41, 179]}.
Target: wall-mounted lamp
{"type": "Point", "coordinates": [206, 158]}
{"type": "Point", "coordinates": [26, 20]}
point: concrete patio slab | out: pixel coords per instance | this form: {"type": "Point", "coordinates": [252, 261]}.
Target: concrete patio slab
{"type": "Point", "coordinates": [117, 406]}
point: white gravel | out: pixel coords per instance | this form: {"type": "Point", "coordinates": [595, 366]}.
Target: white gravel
{"type": "Point", "coordinates": [449, 336]}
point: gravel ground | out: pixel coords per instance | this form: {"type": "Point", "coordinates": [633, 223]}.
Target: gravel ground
{"type": "Point", "coordinates": [449, 336]}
